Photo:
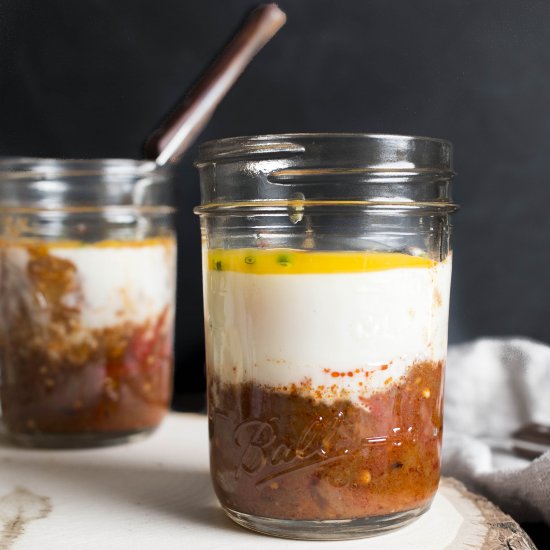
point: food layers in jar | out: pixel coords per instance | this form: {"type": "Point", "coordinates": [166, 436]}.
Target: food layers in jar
{"type": "Point", "coordinates": [86, 335]}
{"type": "Point", "coordinates": [326, 374]}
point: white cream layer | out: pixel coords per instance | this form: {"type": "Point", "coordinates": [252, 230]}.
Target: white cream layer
{"type": "Point", "coordinates": [288, 329]}
{"type": "Point", "coordinates": [118, 283]}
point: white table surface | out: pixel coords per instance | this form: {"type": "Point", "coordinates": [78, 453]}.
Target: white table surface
{"type": "Point", "coordinates": [156, 493]}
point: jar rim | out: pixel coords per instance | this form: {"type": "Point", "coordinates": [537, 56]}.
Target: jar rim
{"type": "Point", "coordinates": [437, 152]}
{"type": "Point", "coordinates": [15, 167]}
{"type": "Point", "coordinates": [28, 183]}
{"type": "Point", "coordinates": [387, 171]}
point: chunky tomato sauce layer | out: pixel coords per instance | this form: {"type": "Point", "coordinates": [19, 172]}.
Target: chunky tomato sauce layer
{"type": "Point", "coordinates": [59, 377]}
{"type": "Point", "coordinates": [282, 455]}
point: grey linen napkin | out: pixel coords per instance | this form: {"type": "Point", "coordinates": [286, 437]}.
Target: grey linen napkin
{"type": "Point", "coordinates": [493, 388]}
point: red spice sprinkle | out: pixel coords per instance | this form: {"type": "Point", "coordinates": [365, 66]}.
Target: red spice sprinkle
{"type": "Point", "coordinates": [326, 371]}
{"type": "Point", "coordinates": [367, 374]}
{"type": "Point", "coordinates": [383, 367]}
{"type": "Point", "coordinates": [350, 373]}
{"type": "Point", "coordinates": [342, 374]}
{"type": "Point", "coordinates": [357, 371]}
{"type": "Point", "coordinates": [335, 374]}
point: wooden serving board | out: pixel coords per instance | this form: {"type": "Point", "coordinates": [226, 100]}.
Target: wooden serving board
{"type": "Point", "coordinates": [156, 494]}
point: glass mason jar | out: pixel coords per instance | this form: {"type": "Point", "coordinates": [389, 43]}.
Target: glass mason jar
{"type": "Point", "coordinates": [327, 269]}
{"type": "Point", "coordinates": [87, 288]}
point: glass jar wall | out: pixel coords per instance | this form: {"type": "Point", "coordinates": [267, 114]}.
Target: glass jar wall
{"type": "Point", "coordinates": [327, 265]}
{"type": "Point", "coordinates": [87, 289]}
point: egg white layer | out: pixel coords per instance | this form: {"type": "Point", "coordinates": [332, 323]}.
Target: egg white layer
{"type": "Point", "coordinates": [114, 284]}
{"type": "Point", "coordinates": [358, 331]}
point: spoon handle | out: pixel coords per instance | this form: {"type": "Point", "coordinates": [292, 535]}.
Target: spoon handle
{"type": "Point", "coordinates": [193, 113]}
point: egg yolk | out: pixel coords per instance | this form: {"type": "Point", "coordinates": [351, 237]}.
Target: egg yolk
{"type": "Point", "coordinates": [278, 261]}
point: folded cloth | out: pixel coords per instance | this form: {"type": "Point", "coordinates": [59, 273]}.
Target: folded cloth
{"type": "Point", "coordinates": [494, 387]}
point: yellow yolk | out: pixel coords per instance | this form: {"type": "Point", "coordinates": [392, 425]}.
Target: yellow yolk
{"type": "Point", "coordinates": [288, 261]}
{"type": "Point", "coordinates": [107, 243]}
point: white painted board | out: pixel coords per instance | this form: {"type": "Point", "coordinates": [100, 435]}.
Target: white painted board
{"type": "Point", "coordinates": [156, 493]}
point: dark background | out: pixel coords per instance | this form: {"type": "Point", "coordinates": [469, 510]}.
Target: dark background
{"type": "Point", "coordinates": [93, 78]}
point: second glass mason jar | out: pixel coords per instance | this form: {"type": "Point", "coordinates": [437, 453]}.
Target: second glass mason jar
{"type": "Point", "coordinates": [87, 290]}
{"type": "Point", "coordinates": [327, 268]}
